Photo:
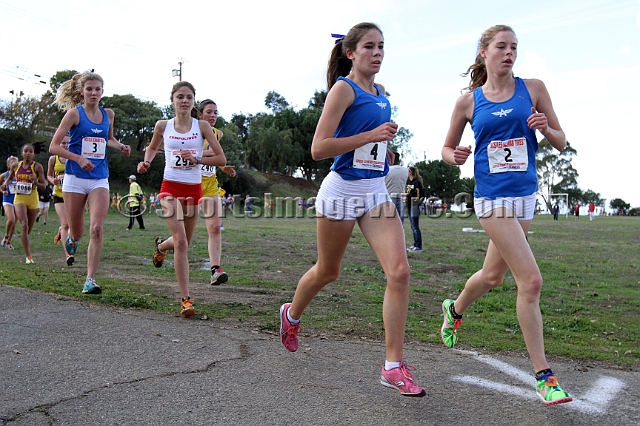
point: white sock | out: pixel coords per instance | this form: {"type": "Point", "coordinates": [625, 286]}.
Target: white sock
{"type": "Point", "coordinates": [388, 365]}
{"type": "Point", "coordinates": [291, 320]}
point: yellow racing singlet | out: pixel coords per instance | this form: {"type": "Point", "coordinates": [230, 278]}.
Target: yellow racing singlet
{"type": "Point", "coordinates": [58, 171]}
{"type": "Point", "coordinates": [209, 179]}
{"type": "Point", "coordinates": [26, 190]}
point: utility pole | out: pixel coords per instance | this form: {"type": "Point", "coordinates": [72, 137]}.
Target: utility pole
{"type": "Point", "coordinates": [178, 72]}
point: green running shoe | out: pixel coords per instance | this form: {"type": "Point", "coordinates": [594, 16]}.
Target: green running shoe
{"type": "Point", "coordinates": [449, 325]}
{"type": "Point", "coordinates": [550, 391]}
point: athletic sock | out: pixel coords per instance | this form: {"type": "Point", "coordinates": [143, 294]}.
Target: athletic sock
{"type": "Point", "coordinates": [454, 314]}
{"type": "Point", "coordinates": [389, 365]}
{"type": "Point", "coordinates": [214, 268]}
{"type": "Point", "coordinates": [541, 373]}
{"type": "Point", "coordinates": [291, 320]}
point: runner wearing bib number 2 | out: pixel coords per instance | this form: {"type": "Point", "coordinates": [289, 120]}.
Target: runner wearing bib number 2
{"type": "Point", "coordinates": [181, 189]}
{"type": "Point", "coordinates": [86, 176]}
{"type": "Point", "coordinates": [505, 112]}
{"type": "Point", "coordinates": [354, 129]}
{"type": "Point", "coordinates": [29, 177]}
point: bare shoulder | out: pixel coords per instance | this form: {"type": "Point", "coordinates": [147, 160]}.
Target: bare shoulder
{"type": "Point", "coordinates": [161, 125]}
{"type": "Point", "coordinates": [534, 85]}
{"type": "Point", "coordinates": [383, 91]}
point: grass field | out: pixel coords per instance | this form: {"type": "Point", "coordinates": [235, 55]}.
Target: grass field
{"type": "Point", "coordinates": [590, 299]}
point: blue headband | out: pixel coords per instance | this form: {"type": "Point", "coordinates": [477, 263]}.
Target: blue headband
{"type": "Point", "coordinates": [338, 37]}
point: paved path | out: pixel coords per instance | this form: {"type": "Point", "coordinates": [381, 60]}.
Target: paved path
{"type": "Point", "coordinates": [67, 362]}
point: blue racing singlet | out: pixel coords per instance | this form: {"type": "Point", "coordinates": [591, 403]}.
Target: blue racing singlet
{"type": "Point", "coordinates": [505, 153]}
{"type": "Point", "coordinates": [89, 140]}
{"type": "Point", "coordinates": [366, 113]}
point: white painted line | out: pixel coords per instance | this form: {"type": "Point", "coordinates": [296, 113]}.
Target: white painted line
{"type": "Point", "coordinates": [594, 401]}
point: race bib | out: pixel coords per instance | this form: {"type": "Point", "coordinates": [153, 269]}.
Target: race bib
{"type": "Point", "coordinates": [24, 188]}
{"type": "Point", "coordinates": [508, 156]}
{"type": "Point", "coordinates": [180, 164]}
{"type": "Point", "coordinates": [12, 187]}
{"type": "Point", "coordinates": [60, 181]}
{"type": "Point", "coordinates": [207, 171]}
{"type": "Point", "coordinates": [370, 156]}
{"type": "Point", "coordinates": [94, 148]}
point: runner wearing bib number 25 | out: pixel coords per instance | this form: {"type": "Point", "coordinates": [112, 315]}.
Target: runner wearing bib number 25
{"type": "Point", "coordinates": [354, 128]}
{"type": "Point", "coordinates": [505, 112]}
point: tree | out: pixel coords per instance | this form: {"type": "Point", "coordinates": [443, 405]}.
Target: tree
{"type": "Point", "coordinates": [440, 179]}
{"type": "Point", "coordinates": [400, 143]}
{"type": "Point", "coordinates": [618, 204]}
{"type": "Point", "coordinates": [318, 99]}
{"type": "Point", "coordinates": [134, 119]}
{"type": "Point", "coordinates": [555, 172]}
{"type": "Point", "coordinates": [275, 102]}
{"type": "Point", "coordinates": [590, 196]}
{"type": "Point", "coordinates": [25, 115]}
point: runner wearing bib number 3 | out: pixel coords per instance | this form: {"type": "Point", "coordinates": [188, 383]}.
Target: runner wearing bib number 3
{"type": "Point", "coordinates": [86, 176]}
{"type": "Point", "coordinates": [505, 112]}
{"type": "Point", "coordinates": [354, 129]}
{"type": "Point", "coordinates": [29, 177]}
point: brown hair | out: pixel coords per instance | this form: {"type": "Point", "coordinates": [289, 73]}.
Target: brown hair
{"type": "Point", "coordinates": [180, 84]}
{"type": "Point", "coordinates": [69, 94]}
{"type": "Point", "coordinates": [416, 173]}
{"type": "Point", "coordinates": [478, 70]}
{"type": "Point", "coordinates": [339, 65]}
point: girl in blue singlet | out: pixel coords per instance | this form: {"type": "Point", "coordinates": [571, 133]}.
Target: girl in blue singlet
{"type": "Point", "coordinates": [504, 112]}
{"type": "Point", "coordinates": [86, 176]}
{"type": "Point", "coordinates": [354, 128]}
{"type": "Point", "coordinates": [7, 203]}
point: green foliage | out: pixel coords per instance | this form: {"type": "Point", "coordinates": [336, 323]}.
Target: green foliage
{"type": "Point", "coordinates": [134, 119]}
{"type": "Point", "coordinates": [440, 179]}
{"type": "Point", "coordinates": [619, 204]}
{"type": "Point", "coordinates": [555, 172]}
{"type": "Point", "coordinates": [275, 102]}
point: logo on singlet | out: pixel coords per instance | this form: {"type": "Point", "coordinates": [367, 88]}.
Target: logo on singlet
{"type": "Point", "coordinates": [382, 105]}
{"type": "Point", "coordinates": [502, 112]}
{"type": "Point", "coordinates": [96, 131]}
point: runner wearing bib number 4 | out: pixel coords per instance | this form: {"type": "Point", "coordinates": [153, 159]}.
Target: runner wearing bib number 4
{"type": "Point", "coordinates": [29, 177]}
{"type": "Point", "coordinates": [354, 128]}
{"type": "Point", "coordinates": [86, 176]}
{"type": "Point", "coordinates": [505, 112]}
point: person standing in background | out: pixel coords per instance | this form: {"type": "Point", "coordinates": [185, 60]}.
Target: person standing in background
{"type": "Point", "coordinates": [136, 196]}
{"type": "Point", "coordinates": [415, 196]}
{"type": "Point", "coordinates": [396, 182]}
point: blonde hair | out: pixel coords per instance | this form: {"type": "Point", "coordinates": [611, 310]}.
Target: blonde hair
{"type": "Point", "coordinates": [69, 94]}
{"type": "Point", "coordinates": [478, 70]}
{"type": "Point", "coordinates": [9, 158]}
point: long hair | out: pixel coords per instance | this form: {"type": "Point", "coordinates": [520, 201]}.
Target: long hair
{"type": "Point", "coordinates": [69, 94]}
{"type": "Point", "coordinates": [416, 174]}
{"type": "Point", "coordinates": [478, 70]}
{"type": "Point", "coordinates": [339, 65]}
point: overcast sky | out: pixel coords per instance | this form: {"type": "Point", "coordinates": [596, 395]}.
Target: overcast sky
{"type": "Point", "coordinates": [586, 52]}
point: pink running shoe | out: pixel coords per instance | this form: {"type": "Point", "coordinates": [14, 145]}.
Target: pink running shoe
{"type": "Point", "coordinates": [400, 378]}
{"type": "Point", "coordinates": [288, 331]}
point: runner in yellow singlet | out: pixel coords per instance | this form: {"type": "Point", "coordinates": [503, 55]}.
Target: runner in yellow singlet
{"type": "Point", "coordinates": [55, 175]}
{"type": "Point", "coordinates": [211, 204]}
{"type": "Point", "coordinates": [30, 176]}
